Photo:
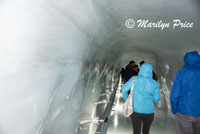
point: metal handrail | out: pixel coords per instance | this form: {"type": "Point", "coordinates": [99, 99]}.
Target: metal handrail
{"type": "Point", "coordinates": [102, 127]}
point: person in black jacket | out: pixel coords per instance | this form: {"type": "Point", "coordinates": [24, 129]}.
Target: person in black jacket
{"type": "Point", "coordinates": [122, 74]}
{"type": "Point", "coordinates": [128, 73]}
{"type": "Point", "coordinates": [135, 70]}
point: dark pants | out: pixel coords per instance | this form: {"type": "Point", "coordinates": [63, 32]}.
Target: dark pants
{"type": "Point", "coordinates": [187, 124]}
{"type": "Point", "coordinates": [138, 119]}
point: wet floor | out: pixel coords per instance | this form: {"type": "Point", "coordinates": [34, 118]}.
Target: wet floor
{"type": "Point", "coordinates": [118, 124]}
{"type": "Point", "coordinates": [162, 124]}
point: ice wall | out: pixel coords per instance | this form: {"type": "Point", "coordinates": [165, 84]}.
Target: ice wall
{"type": "Point", "coordinates": [46, 46]}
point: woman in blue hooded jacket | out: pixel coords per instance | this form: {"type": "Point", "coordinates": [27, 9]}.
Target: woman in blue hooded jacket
{"type": "Point", "coordinates": [145, 93]}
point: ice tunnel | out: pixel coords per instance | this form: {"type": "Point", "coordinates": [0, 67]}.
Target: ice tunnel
{"type": "Point", "coordinates": [60, 60]}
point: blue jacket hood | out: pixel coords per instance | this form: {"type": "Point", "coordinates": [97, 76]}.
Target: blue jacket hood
{"type": "Point", "coordinates": [191, 58]}
{"type": "Point", "coordinates": [146, 70]}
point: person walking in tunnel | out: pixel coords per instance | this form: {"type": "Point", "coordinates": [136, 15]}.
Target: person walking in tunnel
{"type": "Point", "coordinates": [129, 71]}
{"type": "Point", "coordinates": [185, 95]}
{"type": "Point", "coordinates": [135, 70]}
{"type": "Point", "coordinates": [145, 93]}
{"type": "Point", "coordinates": [122, 74]}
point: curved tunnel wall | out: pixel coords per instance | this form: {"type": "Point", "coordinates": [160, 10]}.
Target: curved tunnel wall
{"type": "Point", "coordinates": [46, 46]}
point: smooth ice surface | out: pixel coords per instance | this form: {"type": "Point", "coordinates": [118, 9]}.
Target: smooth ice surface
{"type": "Point", "coordinates": [162, 123]}
{"type": "Point", "coordinates": [52, 51]}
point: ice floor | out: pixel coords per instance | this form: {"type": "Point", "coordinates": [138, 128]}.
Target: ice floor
{"type": "Point", "coordinates": [162, 124]}
{"type": "Point", "coordinates": [118, 124]}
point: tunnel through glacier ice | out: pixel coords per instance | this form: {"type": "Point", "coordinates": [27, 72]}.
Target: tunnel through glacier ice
{"type": "Point", "coordinates": [54, 55]}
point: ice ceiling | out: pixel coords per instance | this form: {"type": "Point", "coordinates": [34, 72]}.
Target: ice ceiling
{"type": "Point", "coordinates": [45, 45]}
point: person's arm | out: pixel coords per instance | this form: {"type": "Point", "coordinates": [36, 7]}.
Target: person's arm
{"type": "Point", "coordinates": [155, 77]}
{"type": "Point", "coordinates": [175, 93]}
{"type": "Point", "coordinates": [126, 87]}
